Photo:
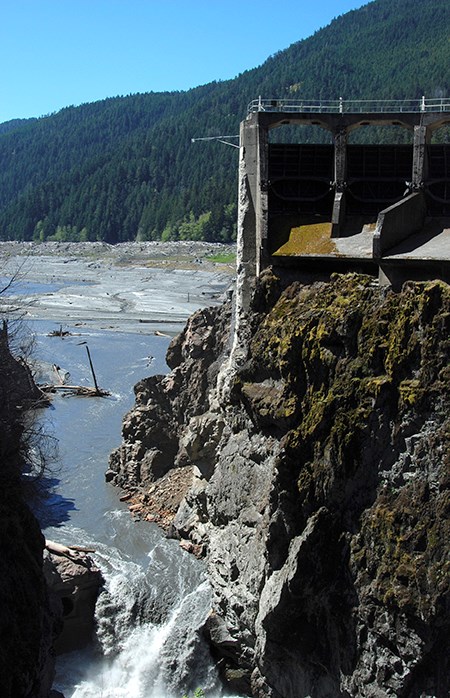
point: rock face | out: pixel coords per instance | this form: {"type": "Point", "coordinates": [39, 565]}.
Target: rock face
{"type": "Point", "coordinates": [144, 463]}
{"type": "Point", "coordinates": [27, 624]}
{"type": "Point", "coordinates": [74, 582]}
{"type": "Point", "coordinates": [318, 488]}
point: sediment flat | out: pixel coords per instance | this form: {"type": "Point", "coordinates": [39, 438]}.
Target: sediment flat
{"type": "Point", "coordinates": [140, 287]}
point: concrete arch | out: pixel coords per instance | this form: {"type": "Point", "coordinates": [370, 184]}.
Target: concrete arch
{"type": "Point", "coordinates": [383, 197]}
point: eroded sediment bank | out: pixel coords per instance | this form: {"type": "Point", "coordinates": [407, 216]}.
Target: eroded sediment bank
{"type": "Point", "coordinates": [136, 287]}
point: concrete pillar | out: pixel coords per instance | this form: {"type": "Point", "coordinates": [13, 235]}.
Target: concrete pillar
{"type": "Point", "coordinates": [248, 195]}
{"type": "Point", "coordinates": [249, 236]}
{"type": "Point", "coordinates": [340, 159]}
{"type": "Point", "coordinates": [340, 178]}
{"type": "Point", "coordinates": [253, 194]}
{"type": "Point", "coordinates": [398, 222]}
{"type": "Point", "coordinates": [246, 223]}
{"type": "Point", "coordinates": [422, 136]}
{"type": "Point", "coordinates": [262, 210]}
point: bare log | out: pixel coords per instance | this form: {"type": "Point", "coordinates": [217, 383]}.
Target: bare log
{"type": "Point", "coordinates": [82, 549]}
{"type": "Point", "coordinates": [81, 390]}
{"type": "Point", "coordinates": [67, 550]}
{"type": "Point", "coordinates": [92, 369]}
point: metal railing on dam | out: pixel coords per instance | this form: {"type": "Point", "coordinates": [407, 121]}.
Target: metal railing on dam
{"type": "Point", "coordinates": [350, 106]}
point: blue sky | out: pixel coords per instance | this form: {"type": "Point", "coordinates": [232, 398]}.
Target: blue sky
{"type": "Point", "coordinates": [56, 53]}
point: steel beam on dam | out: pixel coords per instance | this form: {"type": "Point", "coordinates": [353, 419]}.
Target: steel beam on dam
{"type": "Point", "coordinates": [340, 205]}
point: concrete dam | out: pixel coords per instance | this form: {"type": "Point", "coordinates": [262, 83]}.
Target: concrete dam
{"type": "Point", "coordinates": [314, 208]}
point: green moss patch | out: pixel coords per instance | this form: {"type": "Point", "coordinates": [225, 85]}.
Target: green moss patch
{"type": "Point", "coordinates": [312, 238]}
{"type": "Point", "coordinates": [349, 375]}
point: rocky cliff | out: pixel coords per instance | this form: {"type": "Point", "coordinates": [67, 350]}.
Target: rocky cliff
{"type": "Point", "coordinates": [26, 620]}
{"type": "Point", "coordinates": [74, 582]}
{"type": "Point", "coordinates": [312, 474]}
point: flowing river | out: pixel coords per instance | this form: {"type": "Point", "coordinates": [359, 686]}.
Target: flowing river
{"type": "Point", "coordinates": [148, 642]}
{"type": "Point", "coordinates": [149, 616]}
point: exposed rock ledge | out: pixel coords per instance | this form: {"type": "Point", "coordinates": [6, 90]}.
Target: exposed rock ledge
{"type": "Point", "coordinates": [74, 583]}
{"type": "Point", "coordinates": [314, 479]}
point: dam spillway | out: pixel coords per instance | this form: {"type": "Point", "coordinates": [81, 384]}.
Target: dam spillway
{"type": "Point", "coordinates": [382, 208]}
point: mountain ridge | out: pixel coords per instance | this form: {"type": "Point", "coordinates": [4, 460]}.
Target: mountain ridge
{"type": "Point", "coordinates": [124, 168]}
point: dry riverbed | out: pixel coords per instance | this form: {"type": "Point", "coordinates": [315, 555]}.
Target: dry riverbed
{"type": "Point", "coordinates": [139, 287]}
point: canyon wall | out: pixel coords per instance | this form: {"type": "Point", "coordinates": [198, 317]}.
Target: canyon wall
{"type": "Point", "coordinates": [308, 463]}
{"type": "Point", "coordinates": [26, 618]}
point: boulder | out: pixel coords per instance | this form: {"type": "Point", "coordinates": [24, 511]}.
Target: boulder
{"type": "Point", "coordinates": [74, 582]}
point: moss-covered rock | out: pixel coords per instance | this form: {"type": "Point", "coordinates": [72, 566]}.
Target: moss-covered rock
{"type": "Point", "coordinates": [322, 503]}
{"type": "Point", "coordinates": [353, 380]}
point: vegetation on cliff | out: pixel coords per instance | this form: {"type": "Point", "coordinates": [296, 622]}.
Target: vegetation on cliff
{"type": "Point", "coordinates": [125, 168]}
{"type": "Point", "coordinates": [365, 374]}
{"type": "Point", "coordinates": [358, 394]}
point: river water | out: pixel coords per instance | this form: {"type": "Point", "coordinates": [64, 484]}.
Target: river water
{"type": "Point", "coordinates": [148, 642]}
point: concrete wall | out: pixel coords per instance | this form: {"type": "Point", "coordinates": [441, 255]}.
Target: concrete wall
{"type": "Point", "coordinates": [398, 222]}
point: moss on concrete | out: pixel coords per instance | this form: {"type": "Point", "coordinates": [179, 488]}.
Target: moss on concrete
{"type": "Point", "coordinates": [311, 238]}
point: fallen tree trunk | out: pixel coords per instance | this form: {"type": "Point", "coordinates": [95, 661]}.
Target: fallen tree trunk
{"type": "Point", "coordinates": [81, 390]}
{"type": "Point", "coordinates": [67, 550]}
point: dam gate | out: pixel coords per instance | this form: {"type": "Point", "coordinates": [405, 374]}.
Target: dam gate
{"type": "Point", "coordinates": [314, 208]}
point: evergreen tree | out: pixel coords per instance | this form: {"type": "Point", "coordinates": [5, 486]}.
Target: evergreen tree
{"type": "Point", "coordinates": [125, 168]}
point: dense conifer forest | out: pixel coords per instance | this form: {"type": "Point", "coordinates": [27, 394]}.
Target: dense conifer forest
{"type": "Point", "coordinates": [125, 168]}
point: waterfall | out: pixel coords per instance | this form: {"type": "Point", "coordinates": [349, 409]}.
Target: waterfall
{"type": "Point", "coordinates": [149, 620]}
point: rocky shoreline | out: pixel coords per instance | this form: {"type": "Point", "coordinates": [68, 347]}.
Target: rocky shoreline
{"type": "Point", "coordinates": [153, 432]}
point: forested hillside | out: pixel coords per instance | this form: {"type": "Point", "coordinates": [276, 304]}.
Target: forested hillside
{"type": "Point", "coordinates": [125, 168]}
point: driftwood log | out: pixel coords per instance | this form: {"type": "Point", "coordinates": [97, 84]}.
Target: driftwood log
{"type": "Point", "coordinates": [71, 551]}
{"type": "Point", "coordinates": [81, 390]}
